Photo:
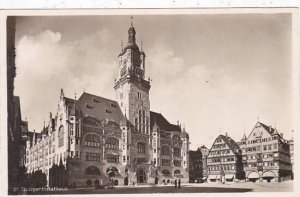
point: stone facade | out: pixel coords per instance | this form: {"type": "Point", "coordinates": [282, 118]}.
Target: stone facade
{"type": "Point", "coordinates": [122, 142]}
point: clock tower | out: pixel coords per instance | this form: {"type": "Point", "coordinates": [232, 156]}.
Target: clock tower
{"type": "Point", "coordinates": [132, 90]}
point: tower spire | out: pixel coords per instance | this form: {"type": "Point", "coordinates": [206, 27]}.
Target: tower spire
{"type": "Point", "coordinates": [131, 21]}
{"type": "Point", "coordinates": [141, 45]}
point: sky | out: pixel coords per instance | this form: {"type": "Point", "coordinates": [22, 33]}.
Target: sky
{"type": "Point", "coordinates": [214, 73]}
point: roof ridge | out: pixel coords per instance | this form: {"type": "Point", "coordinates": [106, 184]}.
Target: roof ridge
{"type": "Point", "coordinates": [90, 94]}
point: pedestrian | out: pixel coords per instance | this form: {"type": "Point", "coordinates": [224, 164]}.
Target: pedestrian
{"type": "Point", "coordinates": [179, 184]}
{"type": "Point", "coordinates": [175, 183]}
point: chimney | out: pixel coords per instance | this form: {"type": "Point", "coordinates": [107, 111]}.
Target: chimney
{"type": "Point", "coordinates": [270, 128]}
{"type": "Point", "coordinates": [226, 134]}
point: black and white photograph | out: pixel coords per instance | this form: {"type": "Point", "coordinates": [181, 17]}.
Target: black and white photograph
{"type": "Point", "coordinates": [151, 101]}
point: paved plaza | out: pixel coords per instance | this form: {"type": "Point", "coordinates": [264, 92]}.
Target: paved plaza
{"type": "Point", "coordinates": [286, 186]}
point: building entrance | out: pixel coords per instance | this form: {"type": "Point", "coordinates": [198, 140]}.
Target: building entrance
{"type": "Point", "coordinates": [141, 176]}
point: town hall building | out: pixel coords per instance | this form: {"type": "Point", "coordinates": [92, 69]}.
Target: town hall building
{"type": "Point", "coordinates": [122, 141]}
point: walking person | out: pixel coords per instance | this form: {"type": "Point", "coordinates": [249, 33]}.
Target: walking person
{"type": "Point", "coordinates": [179, 184]}
{"type": "Point", "coordinates": [175, 183]}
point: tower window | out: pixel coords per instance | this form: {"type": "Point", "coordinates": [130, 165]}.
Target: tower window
{"type": "Point", "coordinates": [139, 95]}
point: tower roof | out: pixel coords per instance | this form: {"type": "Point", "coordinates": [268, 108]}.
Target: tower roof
{"type": "Point", "coordinates": [125, 122]}
{"type": "Point", "coordinates": [244, 137]}
{"type": "Point", "coordinates": [131, 43]}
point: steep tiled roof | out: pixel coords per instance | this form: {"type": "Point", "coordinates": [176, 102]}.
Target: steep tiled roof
{"type": "Point", "coordinates": [162, 122]}
{"type": "Point", "coordinates": [230, 143]}
{"type": "Point", "coordinates": [271, 130]}
{"type": "Point", "coordinates": [69, 101]}
{"type": "Point", "coordinates": [99, 108]}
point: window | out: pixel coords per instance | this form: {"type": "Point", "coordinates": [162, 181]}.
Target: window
{"type": "Point", "coordinates": [154, 150]}
{"type": "Point", "coordinates": [275, 146]}
{"type": "Point", "coordinates": [71, 129]}
{"type": "Point", "coordinates": [95, 100]}
{"type": "Point", "coordinates": [112, 158]}
{"type": "Point", "coordinates": [165, 150]}
{"type": "Point", "coordinates": [139, 95]}
{"type": "Point", "coordinates": [92, 156]}
{"type": "Point", "coordinates": [265, 147]}
{"type": "Point", "coordinates": [165, 162]}
{"type": "Point", "coordinates": [141, 148]}
{"type": "Point", "coordinates": [177, 152]}
{"type": "Point", "coordinates": [177, 163]}
{"type": "Point", "coordinates": [121, 96]}
{"type": "Point", "coordinates": [77, 141]}
{"type": "Point", "coordinates": [141, 160]}
{"type": "Point", "coordinates": [269, 146]}
{"type": "Point", "coordinates": [141, 122]}
{"type": "Point", "coordinates": [165, 172]}
{"type": "Point", "coordinates": [77, 154]}
{"type": "Point", "coordinates": [61, 136]}
{"type": "Point", "coordinates": [124, 159]}
{"type": "Point", "coordinates": [112, 143]}
{"type": "Point", "coordinates": [176, 137]}
{"type": "Point", "coordinates": [77, 130]}
{"type": "Point", "coordinates": [91, 140]}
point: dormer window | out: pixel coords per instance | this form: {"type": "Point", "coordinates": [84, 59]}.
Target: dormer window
{"type": "Point", "coordinates": [107, 111]}
{"type": "Point", "coordinates": [88, 106]}
{"type": "Point", "coordinates": [95, 100]}
{"type": "Point", "coordinates": [113, 105]}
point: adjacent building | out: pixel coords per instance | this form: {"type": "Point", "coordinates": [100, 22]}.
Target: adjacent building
{"type": "Point", "coordinates": [291, 143]}
{"type": "Point", "coordinates": [195, 166]}
{"type": "Point", "coordinates": [224, 160]}
{"type": "Point", "coordinates": [120, 141]}
{"type": "Point", "coordinates": [266, 155]}
{"type": "Point", "coordinates": [204, 150]}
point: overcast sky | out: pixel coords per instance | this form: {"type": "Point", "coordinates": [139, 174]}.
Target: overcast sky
{"type": "Point", "coordinates": [214, 73]}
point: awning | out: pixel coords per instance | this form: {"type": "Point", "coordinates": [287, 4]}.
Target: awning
{"type": "Point", "coordinates": [213, 176]}
{"type": "Point", "coordinates": [253, 175]}
{"type": "Point", "coordinates": [229, 176]}
{"type": "Point", "coordinates": [268, 174]}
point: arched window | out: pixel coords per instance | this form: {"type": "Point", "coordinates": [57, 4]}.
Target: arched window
{"type": "Point", "coordinates": [176, 137]}
{"type": "Point", "coordinates": [177, 172]}
{"type": "Point", "coordinates": [112, 143]}
{"type": "Point", "coordinates": [165, 172]}
{"type": "Point", "coordinates": [177, 152]}
{"type": "Point", "coordinates": [61, 136]}
{"type": "Point", "coordinates": [141, 148]}
{"type": "Point", "coordinates": [92, 170]}
{"type": "Point", "coordinates": [165, 150]}
{"type": "Point", "coordinates": [92, 140]}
